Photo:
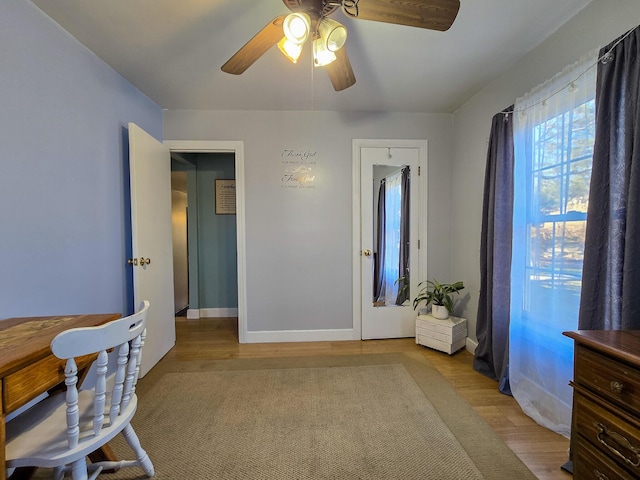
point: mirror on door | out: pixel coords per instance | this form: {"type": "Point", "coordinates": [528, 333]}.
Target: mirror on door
{"type": "Point", "coordinates": [391, 235]}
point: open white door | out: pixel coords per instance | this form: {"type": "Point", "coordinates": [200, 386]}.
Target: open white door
{"type": "Point", "coordinates": [150, 170]}
{"type": "Point", "coordinates": [380, 317]}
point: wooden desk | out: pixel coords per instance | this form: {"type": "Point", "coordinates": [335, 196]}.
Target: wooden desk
{"type": "Point", "coordinates": [27, 366]}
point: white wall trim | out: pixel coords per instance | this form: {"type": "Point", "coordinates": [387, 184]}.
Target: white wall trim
{"type": "Point", "coordinates": [195, 313]}
{"type": "Point", "coordinates": [356, 235]}
{"type": "Point", "coordinates": [471, 345]}
{"type": "Point", "coordinates": [278, 336]}
{"type": "Point", "coordinates": [237, 147]}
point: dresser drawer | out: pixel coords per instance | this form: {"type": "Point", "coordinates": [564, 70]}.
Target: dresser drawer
{"type": "Point", "coordinates": [589, 464]}
{"type": "Point", "coordinates": [447, 346]}
{"type": "Point", "coordinates": [615, 381]}
{"type": "Point", "coordinates": [449, 336]}
{"type": "Point", "coordinates": [611, 435]}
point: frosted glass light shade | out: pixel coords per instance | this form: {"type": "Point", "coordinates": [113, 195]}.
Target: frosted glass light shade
{"type": "Point", "coordinates": [296, 27]}
{"type": "Point", "coordinates": [333, 34]}
{"type": "Point", "coordinates": [321, 55]}
{"type": "Point", "coordinates": [291, 50]}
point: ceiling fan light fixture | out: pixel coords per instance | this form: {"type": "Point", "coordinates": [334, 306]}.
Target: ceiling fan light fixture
{"type": "Point", "coordinates": [296, 27]}
{"type": "Point", "coordinates": [290, 50]}
{"type": "Point", "coordinates": [321, 54]}
{"type": "Point", "coordinates": [333, 33]}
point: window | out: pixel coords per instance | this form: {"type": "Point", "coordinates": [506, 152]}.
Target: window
{"type": "Point", "coordinates": [554, 131]}
{"type": "Point", "coordinates": [558, 175]}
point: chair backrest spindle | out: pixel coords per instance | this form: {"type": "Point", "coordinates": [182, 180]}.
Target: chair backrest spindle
{"type": "Point", "coordinates": [124, 336]}
{"type": "Point", "coordinates": [100, 391]}
{"type": "Point", "coordinates": [131, 376]}
{"type": "Point", "coordinates": [116, 399]}
{"type": "Point", "coordinates": [71, 397]}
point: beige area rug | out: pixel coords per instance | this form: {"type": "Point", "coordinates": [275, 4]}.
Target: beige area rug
{"type": "Point", "coordinates": [389, 416]}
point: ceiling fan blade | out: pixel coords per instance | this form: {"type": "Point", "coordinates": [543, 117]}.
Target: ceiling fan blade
{"type": "Point", "coordinates": [256, 47]}
{"type": "Point", "coordinates": [431, 14]}
{"type": "Point", "coordinates": [340, 71]}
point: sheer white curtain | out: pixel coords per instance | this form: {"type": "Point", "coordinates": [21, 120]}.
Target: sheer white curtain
{"type": "Point", "coordinates": [553, 141]}
{"type": "Point", "coordinates": [393, 209]}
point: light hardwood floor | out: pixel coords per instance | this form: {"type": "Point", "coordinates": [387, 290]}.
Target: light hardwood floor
{"type": "Point", "coordinates": [540, 449]}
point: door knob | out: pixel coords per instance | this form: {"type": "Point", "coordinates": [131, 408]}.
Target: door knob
{"type": "Point", "coordinates": [367, 253]}
{"type": "Point", "coordinates": [144, 261]}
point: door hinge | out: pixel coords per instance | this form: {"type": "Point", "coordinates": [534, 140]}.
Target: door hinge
{"type": "Point", "coordinates": [418, 244]}
{"type": "Point", "coordinates": [418, 170]}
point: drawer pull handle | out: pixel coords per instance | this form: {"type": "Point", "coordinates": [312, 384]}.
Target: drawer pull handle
{"type": "Point", "coordinates": [599, 475]}
{"type": "Point", "coordinates": [616, 387]}
{"type": "Point", "coordinates": [603, 432]}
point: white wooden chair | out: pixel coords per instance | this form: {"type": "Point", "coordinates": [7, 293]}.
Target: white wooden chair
{"type": "Point", "coordinates": [63, 429]}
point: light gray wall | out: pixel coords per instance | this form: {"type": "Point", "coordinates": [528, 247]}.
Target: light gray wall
{"type": "Point", "coordinates": [64, 220]}
{"type": "Point", "coordinates": [298, 240]}
{"type": "Point", "coordinates": [601, 22]}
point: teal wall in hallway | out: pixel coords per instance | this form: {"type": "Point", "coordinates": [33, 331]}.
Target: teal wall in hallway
{"type": "Point", "coordinates": [217, 251]}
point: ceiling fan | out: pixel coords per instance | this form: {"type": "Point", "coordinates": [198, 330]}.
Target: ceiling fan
{"type": "Point", "coordinates": [309, 19]}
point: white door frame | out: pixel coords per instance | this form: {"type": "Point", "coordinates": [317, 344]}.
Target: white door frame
{"type": "Point", "coordinates": [357, 145]}
{"type": "Point", "coordinates": [236, 147]}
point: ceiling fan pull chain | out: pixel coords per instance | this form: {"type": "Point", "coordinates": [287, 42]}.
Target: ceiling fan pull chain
{"type": "Point", "coordinates": [350, 8]}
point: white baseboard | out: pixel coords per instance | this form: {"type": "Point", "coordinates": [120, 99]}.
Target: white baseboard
{"type": "Point", "coordinates": [298, 336]}
{"type": "Point", "coordinates": [289, 335]}
{"type": "Point", "coordinates": [195, 313]}
{"type": "Point", "coordinates": [471, 345]}
{"type": "Point", "coordinates": [316, 336]}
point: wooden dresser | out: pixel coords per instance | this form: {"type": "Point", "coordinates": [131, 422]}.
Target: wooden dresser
{"type": "Point", "coordinates": [605, 434]}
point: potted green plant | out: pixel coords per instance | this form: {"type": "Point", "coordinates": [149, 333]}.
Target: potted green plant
{"type": "Point", "coordinates": [439, 296]}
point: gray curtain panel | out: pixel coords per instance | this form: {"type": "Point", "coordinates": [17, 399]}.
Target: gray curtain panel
{"type": "Point", "coordinates": [403, 264]}
{"type": "Point", "coordinates": [610, 298]}
{"type": "Point", "coordinates": [492, 325]}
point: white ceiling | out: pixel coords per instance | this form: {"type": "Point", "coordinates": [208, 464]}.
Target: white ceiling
{"type": "Point", "coordinates": [172, 51]}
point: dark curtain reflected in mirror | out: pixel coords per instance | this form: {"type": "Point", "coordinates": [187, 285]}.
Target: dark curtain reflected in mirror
{"type": "Point", "coordinates": [391, 224]}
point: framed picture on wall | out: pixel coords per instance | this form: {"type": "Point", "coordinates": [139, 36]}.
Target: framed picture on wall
{"type": "Point", "coordinates": [225, 197]}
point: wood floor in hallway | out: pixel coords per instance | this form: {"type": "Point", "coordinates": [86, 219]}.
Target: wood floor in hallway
{"type": "Point", "coordinates": [541, 450]}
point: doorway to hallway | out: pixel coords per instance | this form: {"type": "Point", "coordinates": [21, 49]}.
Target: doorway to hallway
{"type": "Point", "coordinates": [204, 234]}
{"type": "Point", "coordinates": [235, 281]}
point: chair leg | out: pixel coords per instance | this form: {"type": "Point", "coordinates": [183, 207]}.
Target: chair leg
{"type": "Point", "coordinates": [58, 473]}
{"type": "Point", "coordinates": [104, 453]}
{"type": "Point", "coordinates": [142, 457]}
{"type": "Point", "coordinates": [79, 469]}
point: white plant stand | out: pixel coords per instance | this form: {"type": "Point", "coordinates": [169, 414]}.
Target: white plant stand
{"type": "Point", "coordinates": [447, 335]}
